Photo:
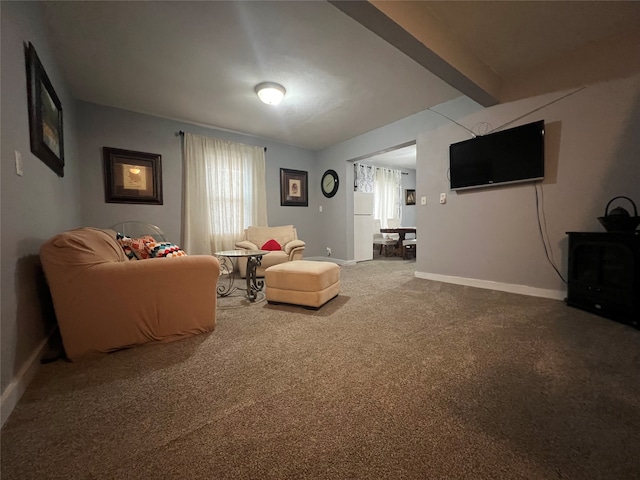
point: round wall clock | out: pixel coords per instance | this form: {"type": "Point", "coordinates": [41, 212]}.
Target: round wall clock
{"type": "Point", "coordinates": [329, 183]}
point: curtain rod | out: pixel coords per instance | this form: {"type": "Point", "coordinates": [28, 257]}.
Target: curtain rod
{"type": "Point", "coordinates": [378, 167]}
{"type": "Point", "coordinates": [181, 133]}
{"type": "Point", "coordinates": [403, 173]}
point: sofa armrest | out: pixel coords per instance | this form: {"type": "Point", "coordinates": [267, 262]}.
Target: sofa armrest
{"type": "Point", "coordinates": [114, 305]}
{"type": "Point", "coordinates": [246, 245]}
{"type": "Point", "coordinates": [188, 269]}
{"type": "Point", "coordinates": [291, 245]}
{"type": "Point", "coordinates": [296, 254]}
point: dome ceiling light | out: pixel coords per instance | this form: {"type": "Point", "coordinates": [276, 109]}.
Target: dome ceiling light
{"type": "Point", "coordinates": [270, 93]}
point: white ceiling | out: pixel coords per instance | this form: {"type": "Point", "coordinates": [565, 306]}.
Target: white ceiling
{"type": "Point", "coordinates": [199, 62]}
{"type": "Point", "coordinates": [402, 158]}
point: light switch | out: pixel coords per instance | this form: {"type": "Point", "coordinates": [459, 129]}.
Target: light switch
{"type": "Point", "coordinates": [19, 171]}
{"type": "Point", "coordinates": [320, 207]}
{"type": "Point", "coordinates": [423, 200]}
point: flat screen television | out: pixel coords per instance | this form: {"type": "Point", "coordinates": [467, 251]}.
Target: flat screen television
{"type": "Point", "coordinates": [511, 156]}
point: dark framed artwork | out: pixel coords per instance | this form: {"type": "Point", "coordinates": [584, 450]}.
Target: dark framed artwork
{"type": "Point", "coordinates": [293, 188]}
{"type": "Point", "coordinates": [45, 115]}
{"type": "Point", "coordinates": [132, 177]}
{"type": "Point", "coordinates": [409, 197]}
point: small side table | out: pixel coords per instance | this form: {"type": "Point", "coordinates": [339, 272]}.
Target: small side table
{"type": "Point", "coordinates": [254, 259]}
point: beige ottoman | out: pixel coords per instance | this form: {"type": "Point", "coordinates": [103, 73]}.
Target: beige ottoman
{"type": "Point", "coordinates": [302, 282]}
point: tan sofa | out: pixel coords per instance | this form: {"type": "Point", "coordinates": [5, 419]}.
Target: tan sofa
{"type": "Point", "coordinates": [256, 237]}
{"type": "Point", "coordinates": [104, 301]}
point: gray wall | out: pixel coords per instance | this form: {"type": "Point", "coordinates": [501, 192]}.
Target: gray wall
{"type": "Point", "coordinates": [337, 220]}
{"type": "Point", "coordinates": [592, 149]}
{"type": "Point", "coordinates": [492, 234]}
{"type": "Point", "coordinates": [408, 211]}
{"type": "Point", "coordinates": [37, 205]}
{"type": "Point", "coordinates": [111, 127]}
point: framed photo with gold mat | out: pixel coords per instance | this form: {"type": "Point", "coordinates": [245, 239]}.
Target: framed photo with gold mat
{"type": "Point", "coordinates": [132, 177]}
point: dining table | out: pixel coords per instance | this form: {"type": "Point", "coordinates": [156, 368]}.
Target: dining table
{"type": "Point", "coordinates": [402, 233]}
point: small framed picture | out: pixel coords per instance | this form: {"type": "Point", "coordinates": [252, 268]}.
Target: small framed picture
{"type": "Point", "coordinates": [293, 188]}
{"type": "Point", "coordinates": [45, 115]}
{"type": "Point", "coordinates": [410, 197]}
{"type": "Point", "coordinates": [132, 177]}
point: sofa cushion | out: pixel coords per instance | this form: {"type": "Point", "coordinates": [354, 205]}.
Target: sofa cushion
{"type": "Point", "coordinates": [271, 245]}
{"type": "Point", "coordinates": [273, 258]}
{"type": "Point", "coordinates": [135, 248]}
{"type": "Point", "coordinates": [261, 235]}
{"type": "Point", "coordinates": [164, 249]}
{"type": "Point", "coordinates": [247, 245]}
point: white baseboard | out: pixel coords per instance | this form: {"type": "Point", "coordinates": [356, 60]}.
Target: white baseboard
{"type": "Point", "coordinates": [18, 385]}
{"type": "Point", "coordinates": [338, 261]}
{"type": "Point", "coordinates": [503, 287]}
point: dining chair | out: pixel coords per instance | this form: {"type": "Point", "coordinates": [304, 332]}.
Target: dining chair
{"type": "Point", "coordinates": [380, 239]}
{"type": "Point", "coordinates": [393, 223]}
{"type": "Point", "coordinates": [409, 248]}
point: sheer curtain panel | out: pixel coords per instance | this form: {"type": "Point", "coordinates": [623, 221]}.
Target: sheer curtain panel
{"type": "Point", "coordinates": [224, 193]}
{"type": "Point", "coordinates": [387, 194]}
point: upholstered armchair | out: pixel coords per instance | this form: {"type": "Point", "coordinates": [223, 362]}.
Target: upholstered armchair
{"type": "Point", "coordinates": [103, 301]}
{"type": "Point", "coordinates": [282, 242]}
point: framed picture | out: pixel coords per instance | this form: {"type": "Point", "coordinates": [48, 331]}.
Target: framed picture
{"type": "Point", "coordinates": [132, 177]}
{"type": "Point", "coordinates": [45, 115]}
{"type": "Point", "coordinates": [293, 188]}
{"type": "Point", "coordinates": [409, 197]}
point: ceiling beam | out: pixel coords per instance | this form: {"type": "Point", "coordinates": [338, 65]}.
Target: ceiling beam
{"type": "Point", "coordinates": [412, 29]}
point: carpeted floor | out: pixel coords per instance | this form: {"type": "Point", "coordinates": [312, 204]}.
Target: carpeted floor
{"type": "Point", "coordinates": [397, 378]}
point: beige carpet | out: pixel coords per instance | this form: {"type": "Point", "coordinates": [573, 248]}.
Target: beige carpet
{"type": "Point", "coordinates": [397, 378]}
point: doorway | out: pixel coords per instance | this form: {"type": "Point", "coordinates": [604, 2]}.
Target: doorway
{"type": "Point", "coordinates": [393, 173]}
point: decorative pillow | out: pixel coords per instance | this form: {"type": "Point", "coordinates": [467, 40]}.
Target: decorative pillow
{"type": "Point", "coordinates": [134, 248]}
{"type": "Point", "coordinates": [271, 245]}
{"type": "Point", "coordinates": [164, 249]}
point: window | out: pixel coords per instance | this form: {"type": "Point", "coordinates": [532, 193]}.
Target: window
{"type": "Point", "coordinates": [225, 192]}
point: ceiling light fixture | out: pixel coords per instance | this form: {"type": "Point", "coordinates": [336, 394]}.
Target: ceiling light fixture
{"type": "Point", "coordinates": [270, 93]}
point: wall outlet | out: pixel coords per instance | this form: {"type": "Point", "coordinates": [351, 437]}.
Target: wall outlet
{"type": "Point", "coordinates": [328, 252]}
{"type": "Point", "coordinates": [443, 198]}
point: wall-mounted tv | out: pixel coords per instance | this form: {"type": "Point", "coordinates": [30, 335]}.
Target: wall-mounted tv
{"type": "Point", "coordinates": [510, 156]}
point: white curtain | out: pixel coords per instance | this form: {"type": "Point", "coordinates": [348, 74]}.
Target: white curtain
{"type": "Point", "coordinates": [224, 193]}
{"type": "Point", "coordinates": [387, 195]}
{"type": "Point", "coordinates": [364, 177]}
